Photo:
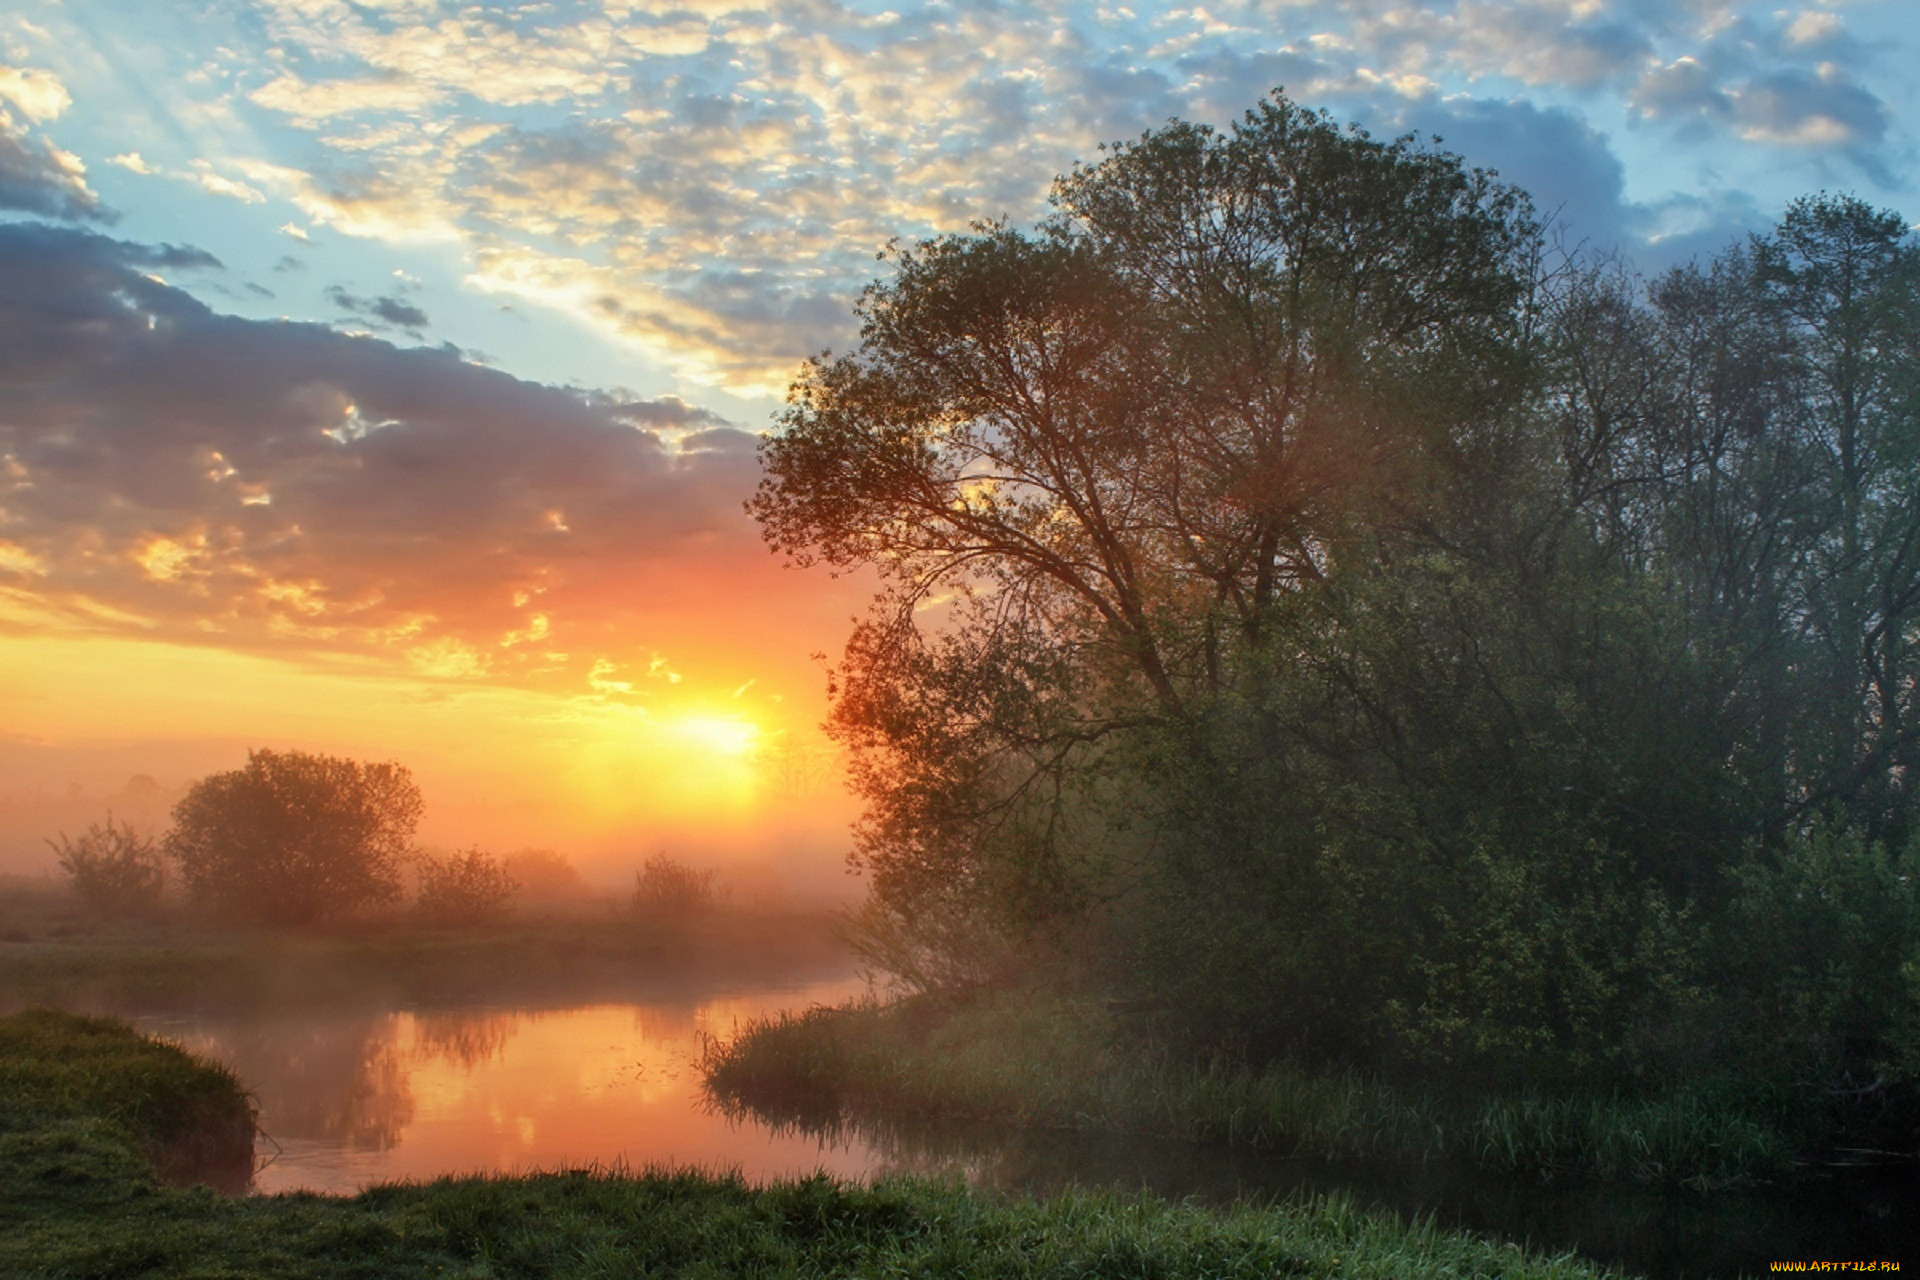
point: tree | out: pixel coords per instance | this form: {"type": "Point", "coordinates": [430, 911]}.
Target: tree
{"type": "Point", "coordinates": [1123, 448]}
{"type": "Point", "coordinates": [115, 869]}
{"type": "Point", "coordinates": [465, 889]}
{"type": "Point", "coordinates": [295, 837]}
{"type": "Point", "coordinates": [666, 887]}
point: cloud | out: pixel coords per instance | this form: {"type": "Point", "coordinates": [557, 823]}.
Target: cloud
{"type": "Point", "coordinates": [1822, 108]}
{"type": "Point", "coordinates": [285, 487]}
{"type": "Point", "coordinates": [36, 94]}
{"type": "Point", "coordinates": [35, 175]}
{"type": "Point", "coordinates": [386, 309]}
{"type": "Point", "coordinates": [1551, 153]}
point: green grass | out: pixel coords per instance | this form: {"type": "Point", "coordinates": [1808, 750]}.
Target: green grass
{"type": "Point", "coordinates": [600, 1224]}
{"type": "Point", "coordinates": [120, 1099]}
{"type": "Point", "coordinates": [1038, 1060]}
{"type": "Point", "coordinates": [77, 1200]}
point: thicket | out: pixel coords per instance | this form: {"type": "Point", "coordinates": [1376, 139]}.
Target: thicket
{"type": "Point", "coordinates": [467, 888]}
{"type": "Point", "coordinates": [666, 887]}
{"type": "Point", "coordinates": [115, 869]}
{"type": "Point", "coordinates": [1320, 607]}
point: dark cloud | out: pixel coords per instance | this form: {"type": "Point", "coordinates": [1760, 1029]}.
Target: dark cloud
{"type": "Point", "coordinates": [668, 412]}
{"type": "Point", "coordinates": [33, 179]}
{"type": "Point", "coordinates": [1554, 155]}
{"type": "Point", "coordinates": [260, 484]}
{"type": "Point", "coordinates": [387, 310]}
{"type": "Point", "coordinates": [1808, 107]}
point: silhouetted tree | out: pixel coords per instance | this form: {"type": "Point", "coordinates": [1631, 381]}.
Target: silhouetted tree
{"type": "Point", "coordinates": [664, 886]}
{"type": "Point", "coordinates": [465, 889]}
{"type": "Point", "coordinates": [115, 869]}
{"type": "Point", "coordinates": [295, 837]}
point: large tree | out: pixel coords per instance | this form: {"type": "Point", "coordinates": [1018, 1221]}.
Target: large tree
{"type": "Point", "coordinates": [1102, 463]}
{"type": "Point", "coordinates": [295, 837]}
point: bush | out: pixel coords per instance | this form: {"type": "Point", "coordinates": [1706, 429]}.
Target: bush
{"type": "Point", "coordinates": [115, 870]}
{"type": "Point", "coordinates": [295, 838]}
{"type": "Point", "coordinates": [665, 887]}
{"type": "Point", "coordinates": [465, 888]}
{"type": "Point", "coordinates": [545, 875]}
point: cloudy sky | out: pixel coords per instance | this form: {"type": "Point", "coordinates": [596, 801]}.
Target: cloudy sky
{"type": "Point", "coordinates": [383, 377]}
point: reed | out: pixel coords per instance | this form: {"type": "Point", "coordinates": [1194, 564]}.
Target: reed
{"type": "Point", "coordinates": [1034, 1060]}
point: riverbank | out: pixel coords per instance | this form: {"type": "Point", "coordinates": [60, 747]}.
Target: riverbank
{"type": "Point", "coordinates": [91, 1098]}
{"type": "Point", "coordinates": [77, 1198]}
{"type": "Point", "coordinates": [56, 955]}
{"type": "Point", "coordinates": [1043, 1060]}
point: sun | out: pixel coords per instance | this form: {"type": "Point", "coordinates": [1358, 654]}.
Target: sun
{"type": "Point", "coordinates": [722, 735]}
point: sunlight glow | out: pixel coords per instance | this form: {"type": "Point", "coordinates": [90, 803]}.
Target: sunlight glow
{"type": "Point", "coordinates": [727, 736]}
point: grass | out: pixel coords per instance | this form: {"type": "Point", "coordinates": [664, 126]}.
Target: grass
{"type": "Point", "coordinates": [1036, 1060]}
{"type": "Point", "coordinates": [77, 1199]}
{"type": "Point", "coordinates": [119, 1098]}
{"type": "Point", "coordinates": [53, 953]}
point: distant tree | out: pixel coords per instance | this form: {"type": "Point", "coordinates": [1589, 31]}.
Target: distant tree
{"type": "Point", "coordinates": [666, 887]}
{"type": "Point", "coordinates": [543, 873]}
{"type": "Point", "coordinates": [115, 869]}
{"type": "Point", "coordinates": [465, 888]}
{"type": "Point", "coordinates": [295, 837]}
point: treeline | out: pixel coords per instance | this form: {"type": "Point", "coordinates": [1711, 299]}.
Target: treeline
{"type": "Point", "coordinates": [298, 838]}
{"type": "Point", "coordinates": [1319, 608]}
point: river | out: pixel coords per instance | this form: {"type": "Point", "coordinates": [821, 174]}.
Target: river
{"type": "Point", "coordinates": [352, 1098]}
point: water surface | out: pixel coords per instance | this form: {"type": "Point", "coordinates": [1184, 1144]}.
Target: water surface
{"type": "Point", "coordinates": [352, 1098]}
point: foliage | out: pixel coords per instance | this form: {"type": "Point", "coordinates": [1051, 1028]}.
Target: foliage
{"type": "Point", "coordinates": [465, 889]}
{"type": "Point", "coordinates": [295, 837]}
{"type": "Point", "coordinates": [1034, 1060]}
{"type": "Point", "coordinates": [664, 887]}
{"type": "Point", "coordinates": [116, 870]}
{"type": "Point", "coordinates": [1378, 641]}
{"type": "Point", "coordinates": [544, 874]}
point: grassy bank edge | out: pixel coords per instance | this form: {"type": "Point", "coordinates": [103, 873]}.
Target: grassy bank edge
{"type": "Point", "coordinates": [75, 1200]}
{"type": "Point", "coordinates": [1040, 1060]}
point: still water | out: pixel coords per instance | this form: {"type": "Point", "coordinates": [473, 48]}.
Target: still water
{"type": "Point", "coordinates": [348, 1099]}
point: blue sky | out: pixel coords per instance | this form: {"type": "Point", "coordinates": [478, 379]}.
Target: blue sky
{"type": "Point", "coordinates": [682, 200]}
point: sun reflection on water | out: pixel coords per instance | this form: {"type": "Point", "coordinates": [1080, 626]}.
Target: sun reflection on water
{"type": "Point", "coordinates": [351, 1099]}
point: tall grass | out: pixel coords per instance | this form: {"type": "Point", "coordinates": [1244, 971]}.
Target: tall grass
{"type": "Point", "coordinates": [97, 1081]}
{"type": "Point", "coordinates": [1039, 1061]}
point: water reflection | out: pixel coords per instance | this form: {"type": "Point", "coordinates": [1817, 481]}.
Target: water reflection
{"type": "Point", "coordinates": [352, 1098]}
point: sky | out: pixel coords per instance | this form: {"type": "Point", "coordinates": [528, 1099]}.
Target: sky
{"type": "Point", "coordinates": [384, 378]}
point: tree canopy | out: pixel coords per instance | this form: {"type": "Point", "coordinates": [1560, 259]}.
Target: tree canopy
{"type": "Point", "coordinates": [1310, 600]}
{"type": "Point", "coordinates": [295, 837]}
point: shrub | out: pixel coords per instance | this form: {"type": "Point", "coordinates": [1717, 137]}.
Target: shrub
{"type": "Point", "coordinates": [116, 870]}
{"type": "Point", "coordinates": [665, 887]}
{"type": "Point", "coordinates": [465, 888]}
{"type": "Point", "coordinates": [544, 874]}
